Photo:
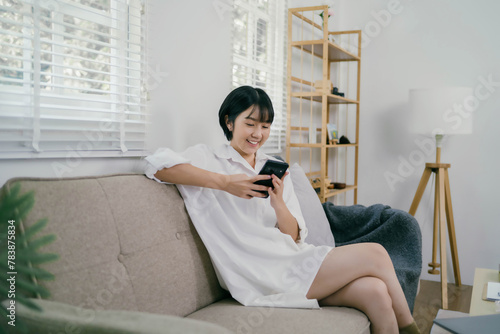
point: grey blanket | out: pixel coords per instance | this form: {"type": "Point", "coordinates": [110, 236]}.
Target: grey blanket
{"type": "Point", "coordinates": [396, 230]}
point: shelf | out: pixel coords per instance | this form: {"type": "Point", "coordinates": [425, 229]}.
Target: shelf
{"type": "Point", "coordinates": [303, 128]}
{"type": "Point", "coordinates": [318, 97]}
{"type": "Point", "coordinates": [335, 52]}
{"type": "Point", "coordinates": [334, 192]}
{"type": "Point", "coordinates": [324, 52]}
{"type": "Point", "coordinates": [341, 145]}
{"type": "Point", "coordinates": [319, 145]}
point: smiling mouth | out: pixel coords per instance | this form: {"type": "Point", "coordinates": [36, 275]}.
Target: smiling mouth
{"type": "Point", "coordinates": [253, 142]}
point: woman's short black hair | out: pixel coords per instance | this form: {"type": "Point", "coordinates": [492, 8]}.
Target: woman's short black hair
{"type": "Point", "coordinates": [239, 100]}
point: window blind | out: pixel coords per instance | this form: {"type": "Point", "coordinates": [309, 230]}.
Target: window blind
{"type": "Point", "coordinates": [259, 57]}
{"type": "Point", "coordinates": [73, 78]}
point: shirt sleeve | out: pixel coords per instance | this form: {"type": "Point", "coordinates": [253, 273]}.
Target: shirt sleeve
{"type": "Point", "coordinates": [197, 155]}
{"type": "Point", "coordinates": [293, 205]}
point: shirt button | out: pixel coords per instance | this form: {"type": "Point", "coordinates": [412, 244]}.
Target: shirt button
{"type": "Point", "coordinates": [178, 236]}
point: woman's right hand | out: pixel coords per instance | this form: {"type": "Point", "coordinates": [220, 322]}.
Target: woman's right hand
{"type": "Point", "coordinates": [243, 186]}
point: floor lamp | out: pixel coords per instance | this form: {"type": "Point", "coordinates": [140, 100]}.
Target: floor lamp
{"type": "Point", "coordinates": [438, 113]}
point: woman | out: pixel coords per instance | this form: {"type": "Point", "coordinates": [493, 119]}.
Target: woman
{"type": "Point", "coordinates": [257, 244]}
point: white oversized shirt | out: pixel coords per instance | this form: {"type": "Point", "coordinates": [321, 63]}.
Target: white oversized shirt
{"type": "Point", "coordinates": [253, 259]}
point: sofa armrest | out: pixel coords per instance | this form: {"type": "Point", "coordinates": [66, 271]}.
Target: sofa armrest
{"type": "Point", "coordinates": [59, 317]}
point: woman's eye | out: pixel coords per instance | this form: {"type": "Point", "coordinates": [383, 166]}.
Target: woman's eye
{"type": "Point", "coordinates": [249, 124]}
{"type": "Point", "coordinates": [266, 127]}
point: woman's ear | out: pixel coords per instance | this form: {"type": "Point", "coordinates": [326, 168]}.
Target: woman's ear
{"type": "Point", "coordinates": [229, 124]}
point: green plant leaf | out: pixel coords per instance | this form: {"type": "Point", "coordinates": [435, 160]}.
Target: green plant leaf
{"type": "Point", "coordinates": [15, 206]}
{"type": "Point", "coordinates": [33, 245]}
{"type": "Point", "coordinates": [4, 292]}
{"type": "Point", "coordinates": [38, 273]}
{"type": "Point", "coordinates": [18, 208]}
{"type": "Point", "coordinates": [28, 303]}
{"type": "Point", "coordinates": [37, 258]}
{"type": "Point", "coordinates": [35, 228]}
{"type": "Point", "coordinates": [24, 205]}
{"type": "Point", "coordinates": [29, 287]}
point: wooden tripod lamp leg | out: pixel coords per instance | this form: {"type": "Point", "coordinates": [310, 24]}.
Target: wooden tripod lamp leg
{"type": "Point", "coordinates": [442, 237]}
{"type": "Point", "coordinates": [413, 208]}
{"type": "Point", "coordinates": [434, 264]}
{"type": "Point", "coordinates": [420, 191]}
{"type": "Point", "coordinates": [451, 229]}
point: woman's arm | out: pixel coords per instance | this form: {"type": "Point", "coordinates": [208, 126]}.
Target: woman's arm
{"type": "Point", "coordinates": [286, 221]}
{"type": "Point", "coordinates": [239, 185]}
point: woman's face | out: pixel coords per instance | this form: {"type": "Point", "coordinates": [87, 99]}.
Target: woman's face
{"type": "Point", "coordinates": [249, 134]}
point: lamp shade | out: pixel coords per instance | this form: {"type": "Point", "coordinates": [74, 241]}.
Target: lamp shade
{"type": "Point", "coordinates": [446, 110]}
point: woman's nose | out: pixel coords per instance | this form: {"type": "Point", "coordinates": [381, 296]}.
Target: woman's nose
{"type": "Point", "coordinates": [257, 132]}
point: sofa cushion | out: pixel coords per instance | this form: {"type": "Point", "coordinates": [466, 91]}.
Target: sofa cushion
{"type": "Point", "coordinates": [63, 318]}
{"type": "Point", "coordinates": [160, 247]}
{"type": "Point", "coordinates": [125, 242]}
{"type": "Point", "coordinates": [319, 232]}
{"type": "Point", "coordinates": [88, 273]}
{"type": "Point", "coordinates": [262, 320]}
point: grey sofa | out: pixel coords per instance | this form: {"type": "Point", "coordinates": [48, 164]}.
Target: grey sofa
{"type": "Point", "coordinates": [132, 262]}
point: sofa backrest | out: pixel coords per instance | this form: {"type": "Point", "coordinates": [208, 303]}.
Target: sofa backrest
{"type": "Point", "coordinates": [125, 242]}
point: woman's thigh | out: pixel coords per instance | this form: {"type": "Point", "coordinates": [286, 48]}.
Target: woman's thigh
{"type": "Point", "coordinates": [345, 264]}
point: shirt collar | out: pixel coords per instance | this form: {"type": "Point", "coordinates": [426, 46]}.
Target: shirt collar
{"type": "Point", "coordinates": [226, 151]}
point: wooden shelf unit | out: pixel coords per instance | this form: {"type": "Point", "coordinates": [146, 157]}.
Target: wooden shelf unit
{"type": "Point", "coordinates": [320, 46]}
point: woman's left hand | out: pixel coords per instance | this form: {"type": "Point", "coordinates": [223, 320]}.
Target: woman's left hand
{"type": "Point", "coordinates": [286, 222]}
{"type": "Point", "coordinates": [276, 194]}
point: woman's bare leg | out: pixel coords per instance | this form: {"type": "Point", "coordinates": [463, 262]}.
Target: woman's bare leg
{"type": "Point", "coordinates": [369, 295]}
{"type": "Point", "coordinates": [345, 264]}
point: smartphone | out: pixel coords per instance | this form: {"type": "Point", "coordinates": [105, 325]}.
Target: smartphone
{"type": "Point", "coordinates": [277, 168]}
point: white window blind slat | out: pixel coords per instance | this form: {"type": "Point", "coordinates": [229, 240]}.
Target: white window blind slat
{"type": "Point", "coordinates": [92, 32]}
{"type": "Point", "coordinates": [72, 78]}
{"type": "Point", "coordinates": [89, 50]}
{"type": "Point", "coordinates": [14, 102]}
{"type": "Point", "coordinates": [90, 70]}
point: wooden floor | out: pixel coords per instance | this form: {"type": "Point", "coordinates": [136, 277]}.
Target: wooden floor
{"type": "Point", "coordinates": [428, 302]}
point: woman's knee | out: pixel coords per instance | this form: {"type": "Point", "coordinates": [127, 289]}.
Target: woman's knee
{"type": "Point", "coordinates": [376, 293]}
{"type": "Point", "coordinates": [379, 255]}
{"type": "Point", "coordinates": [377, 249]}
{"type": "Point", "coordinates": [378, 289]}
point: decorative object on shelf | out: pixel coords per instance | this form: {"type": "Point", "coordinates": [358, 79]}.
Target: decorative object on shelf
{"type": "Point", "coordinates": [318, 86]}
{"type": "Point", "coordinates": [316, 183]}
{"type": "Point", "coordinates": [331, 142]}
{"type": "Point", "coordinates": [430, 115]}
{"type": "Point", "coordinates": [333, 135]}
{"type": "Point", "coordinates": [344, 140]}
{"type": "Point", "coordinates": [335, 91]}
{"type": "Point", "coordinates": [338, 185]}
{"type": "Point", "coordinates": [322, 15]}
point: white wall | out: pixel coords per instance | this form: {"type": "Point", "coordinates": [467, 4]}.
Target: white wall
{"type": "Point", "coordinates": [190, 47]}
{"type": "Point", "coordinates": [430, 44]}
